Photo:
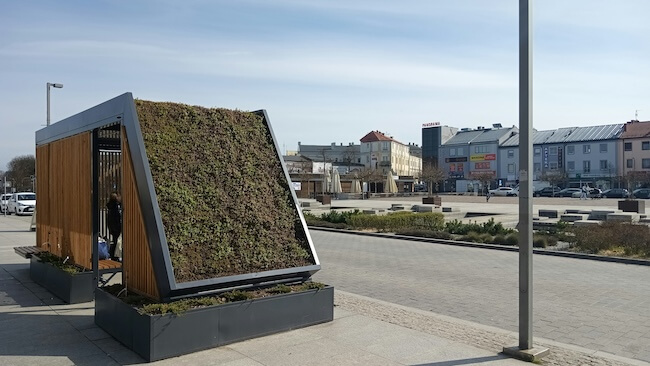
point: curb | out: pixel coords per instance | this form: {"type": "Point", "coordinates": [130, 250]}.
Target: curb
{"type": "Point", "coordinates": [555, 253]}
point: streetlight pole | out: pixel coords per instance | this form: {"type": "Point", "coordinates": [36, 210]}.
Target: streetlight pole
{"type": "Point", "coordinates": [48, 85]}
{"type": "Point", "coordinates": [525, 349]}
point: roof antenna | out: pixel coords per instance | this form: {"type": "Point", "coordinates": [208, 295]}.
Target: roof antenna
{"type": "Point", "coordinates": [636, 114]}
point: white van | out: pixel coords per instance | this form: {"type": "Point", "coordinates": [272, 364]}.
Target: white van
{"type": "Point", "coordinates": [22, 203]}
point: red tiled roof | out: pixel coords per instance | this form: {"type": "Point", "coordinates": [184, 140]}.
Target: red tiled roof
{"type": "Point", "coordinates": [376, 136]}
{"type": "Point", "coordinates": [635, 129]}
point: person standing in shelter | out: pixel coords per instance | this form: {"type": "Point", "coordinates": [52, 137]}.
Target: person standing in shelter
{"type": "Point", "coordinates": [114, 220]}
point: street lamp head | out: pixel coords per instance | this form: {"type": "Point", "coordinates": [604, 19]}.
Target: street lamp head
{"type": "Point", "coordinates": [57, 85]}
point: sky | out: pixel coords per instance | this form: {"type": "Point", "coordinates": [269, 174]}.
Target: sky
{"type": "Point", "coordinates": [325, 70]}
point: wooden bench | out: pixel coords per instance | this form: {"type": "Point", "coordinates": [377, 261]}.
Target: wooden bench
{"type": "Point", "coordinates": [27, 252]}
{"type": "Point", "coordinates": [105, 265]}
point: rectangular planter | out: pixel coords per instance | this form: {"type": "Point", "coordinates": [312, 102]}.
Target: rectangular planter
{"type": "Point", "coordinates": [632, 206]}
{"type": "Point", "coordinates": [437, 200]}
{"type": "Point", "coordinates": [155, 337]}
{"type": "Point", "coordinates": [72, 289]}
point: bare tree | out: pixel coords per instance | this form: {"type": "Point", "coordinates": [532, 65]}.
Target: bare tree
{"type": "Point", "coordinates": [484, 178]}
{"type": "Point", "coordinates": [22, 170]}
{"type": "Point", "coordinates": [305, 173]}
{"type": "Point", "coordinates": [369, 175]}
{"type": "Point", "coordinates": [554, 177]}
{"type": "Point", "coordinates": [635, 178]}
{"type": "Point", "coordinates": [350, 156]}
{"type": "Point", "coordinates": [432, 175]}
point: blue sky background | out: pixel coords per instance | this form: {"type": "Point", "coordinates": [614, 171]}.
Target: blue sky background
{"type": "Point", "coordinates": [325, 71]}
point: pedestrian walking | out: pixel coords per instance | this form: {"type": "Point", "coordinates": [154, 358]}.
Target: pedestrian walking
{"type": "Point", "coordinates": [583, 194]}
{"type": "Point", "coordinates": [487, 196]}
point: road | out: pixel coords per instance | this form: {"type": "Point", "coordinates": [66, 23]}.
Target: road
{"type": "Point", "coordinates": [596, 305]}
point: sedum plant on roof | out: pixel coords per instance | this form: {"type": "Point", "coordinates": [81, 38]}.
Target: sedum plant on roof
{"type": "Point", "coordinates": [224, 200]}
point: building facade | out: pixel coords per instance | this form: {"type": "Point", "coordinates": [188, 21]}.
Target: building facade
{"type": "Point", "coordinates": [381, 152]}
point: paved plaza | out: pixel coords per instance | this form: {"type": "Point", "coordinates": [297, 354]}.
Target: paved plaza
{"type": "Point", "coordinates": [397, 302]}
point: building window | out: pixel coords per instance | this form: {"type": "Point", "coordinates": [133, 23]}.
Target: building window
{"type": "Point", "coordinates": [537, 151]}
{"type": "Point", "coordinates": [367, 158]}
{"type": "Point", "coordinates": [537, 167]}
{"type": "Point", "coordinates": [481, 149]}
{"type": "Point", "coordinates": [603, 165]}
{"type": "Point", "coordinates": [385, 145]}
{"type": "Point", "coordinates": [511, 153]}
{"type": "Point", "coordinates": [553, 166]}
{"type": "Point", "coordinates": [586, 166]}
{"type": "Point", "coordinates": [552, 150]}
{"type": "Point", "coordinates": [645, 145]}
{"type": "Point", "coordinates": [645, 163]}
{"type": "Point", "coordinates": [629, 163]}
{"type": "Point", "coordinates": [460, 151]}
{"type": "Point", "coordinates": [586, 149]}
{"type": "Point", "coordinates": [570, 150]}
{"type": "Point", "coordinates": [511, 168]}
{"type": "Point", "coordinates": [571, 165]}
{"type": "Point", "coordinates": [603, 148]}
{"type": "Point", "coordinates": [628, 146]}
{"type": "Point", "coordinates": [384, 158]}
{"type": "Point", "coordinates": [452, 152]}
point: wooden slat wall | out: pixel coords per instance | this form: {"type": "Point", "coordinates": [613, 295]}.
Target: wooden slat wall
{"type": "Point", "coordinates": [63, 193]}
{"type": "Point", "coordinates": [137, 272]}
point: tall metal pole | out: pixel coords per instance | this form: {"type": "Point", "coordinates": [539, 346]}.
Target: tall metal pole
{"type": "Point", "coordinates": [525, 177]}
{"type": "Point", "coordinates": [47, 86]}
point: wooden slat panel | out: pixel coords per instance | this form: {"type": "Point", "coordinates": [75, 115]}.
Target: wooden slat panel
{"type": "Point", "coordinates": [137, 272]}
{"type": "Point", "coordinates": [64, 220]}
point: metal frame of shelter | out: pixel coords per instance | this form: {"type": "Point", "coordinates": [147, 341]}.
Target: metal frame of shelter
{"type": "Point", "coordinates": [147, 267]}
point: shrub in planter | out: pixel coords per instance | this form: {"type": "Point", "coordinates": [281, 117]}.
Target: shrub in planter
{"type": "Point", "coordinates": [499, 239]}
{"type": "Point", "coordinates": [512, 239]}
{"type": "Point", "coordinates": [539, 242]}
{"type": "Point", "coordinates": [425, 233]}
{"type": "Point", "coordinates": [70, 283]}
{"type": "Point", "coordinates": [394, 222]}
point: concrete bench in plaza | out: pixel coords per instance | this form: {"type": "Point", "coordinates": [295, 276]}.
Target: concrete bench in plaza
{"type": "Point", "coordinates": [626, 217]}
{"type": "Point", "coordinates": [573, 217]}
{"type": "Point", "coordinates": [548, 213]}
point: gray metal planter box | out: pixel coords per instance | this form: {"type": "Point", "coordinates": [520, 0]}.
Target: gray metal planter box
{"type": "Point", "coordinates": [155, 337]}
{"type": "Point", "coordinates": [632, 206]}
{"type": "Point", "coordinates": [435, 200]}
{"type": "Point", "coordinates": [71, 288]}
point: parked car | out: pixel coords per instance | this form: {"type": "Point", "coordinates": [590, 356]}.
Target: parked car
{"type": "Point", "coordinates": [547, 192]}
{"type": "Point", "coordinates": [22, 203]}
{"type": "Point", "coordinates": [641, 193]}
{"type": "Point", "coordinates": [568, 192]}
{"type": "Point", "coordinates": [504, 191]}
{"type": "Point", "coordinates": [4, 200]}
{"type": "Point", "coordinates": [592, 193]}
{"type": "Point", "coordinates": [616, 193]}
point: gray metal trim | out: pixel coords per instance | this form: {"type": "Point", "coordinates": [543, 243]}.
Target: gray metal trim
{"type": "Point", "coordinates": [296, 203]}
{"type": "Point", "coordinates": [95, 117]}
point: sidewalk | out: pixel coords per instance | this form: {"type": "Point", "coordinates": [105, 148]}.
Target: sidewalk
{"type": "Point", "coordinates": [38, 329]}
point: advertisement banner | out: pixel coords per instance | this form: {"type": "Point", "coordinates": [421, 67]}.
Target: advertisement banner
{"type": "Point", "coordinates": [482, 157]}
{"type": "Point", "coordinates": [456, 160]}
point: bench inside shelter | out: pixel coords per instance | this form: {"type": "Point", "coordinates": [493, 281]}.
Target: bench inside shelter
{"type": "Point", "coordinates": [105, 265]}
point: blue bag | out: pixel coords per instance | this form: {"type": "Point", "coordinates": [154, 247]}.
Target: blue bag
{"type": "Point", "coordinates": [102, 249]}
